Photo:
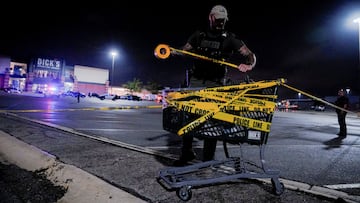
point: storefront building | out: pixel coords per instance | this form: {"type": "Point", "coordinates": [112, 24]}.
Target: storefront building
{"type": "Point", "coordinates": [52, 76]}
{"type": "Point", "coordinates": [12, 74]}
{"type": "Point", "coordinates": [46, 75]}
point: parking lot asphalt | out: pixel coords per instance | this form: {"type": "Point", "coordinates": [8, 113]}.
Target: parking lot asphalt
{"type": "Point", "coordinates": [97, 172]}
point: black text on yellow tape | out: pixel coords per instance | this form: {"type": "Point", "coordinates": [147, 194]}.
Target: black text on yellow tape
{"type": "Point", "coordinates": [231, 99]}
{"type": "Point", "coordinates": [230, 118]}
{"type": "Point", "coordinates": [200, 107]}
{"type": "Point", "coordinates": [244, 121]}
{"type": "Point", "coordinates": [222, 97]}
{"type": "Point", "coordinates": [197, 122]}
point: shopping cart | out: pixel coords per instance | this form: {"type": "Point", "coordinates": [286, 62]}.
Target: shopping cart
{"type": "Point", "coordinates": [237, 114]}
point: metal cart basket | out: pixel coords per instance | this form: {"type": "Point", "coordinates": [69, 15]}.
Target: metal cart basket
{"type": "Point", "coordinates": [236, 114]}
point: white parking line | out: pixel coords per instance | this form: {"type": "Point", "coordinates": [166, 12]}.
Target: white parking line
{"type": "Point", "coordinates": [343, 186]}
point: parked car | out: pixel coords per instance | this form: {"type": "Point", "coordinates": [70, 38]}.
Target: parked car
{"type": "Point", "coordinates": [128, 97]}
{"type": "Point", "coordinates": [318, 106]}
{"type": "Point", "coordinates": [73, 94]}
{"type": "Point", "coordinates": [93, 94]}
{"type": "Point", "coordinates": [134, 98]}
{"type": "Point", "coordinates": [107, 96]}
{"type": "Point", "coordinates": [52, 91]}
{"type": "Point", "coordinates": [12, 90]}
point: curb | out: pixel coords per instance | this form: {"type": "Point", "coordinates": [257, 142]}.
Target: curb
{"type": "Point", "coordinates": [322, 191]}
{"type": "Point", "coordinates": [316, 190]}
{"type": "Point", "coordinates": [81, 185]}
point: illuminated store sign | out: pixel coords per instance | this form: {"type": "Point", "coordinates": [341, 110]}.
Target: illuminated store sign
{"type": "Point", "coordinates": [46, 70]}
{"type": "Point", "coordinates": [48, 63]}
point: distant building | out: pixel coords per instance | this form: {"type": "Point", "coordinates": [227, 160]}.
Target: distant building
{"type": "Point", "coordinates": [90, 79]}
{"type": "Point", "coordinates": [12, 74]}
{"type": "Point", "coordinates": [47, 74]}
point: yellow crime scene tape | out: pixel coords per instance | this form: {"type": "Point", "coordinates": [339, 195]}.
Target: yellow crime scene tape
{"type": "Point", "coordinates": [224, 97]}
{"type": "Point", "coordinates": [163, 51]}
{"type": "Point", "coordinates": [214, 102]}
{"type": "Point", "coordinates": [203, 109]}
{"type": "Point", "coordinates": [220, 102]}
{"type": "Point", "coordinates": [320, 100]}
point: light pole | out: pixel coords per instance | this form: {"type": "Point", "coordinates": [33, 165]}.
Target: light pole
{"type": "Point", "coordinates": [113, 54]}
{"type": "Point", "coordinates": [357, 20]}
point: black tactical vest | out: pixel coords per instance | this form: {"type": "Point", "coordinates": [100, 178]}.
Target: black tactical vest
{"type": "Point", "coordinates": [210, 45]}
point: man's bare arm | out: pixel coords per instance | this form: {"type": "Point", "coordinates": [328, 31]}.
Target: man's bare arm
{"type": "Point", "coordinates": [250, 61]}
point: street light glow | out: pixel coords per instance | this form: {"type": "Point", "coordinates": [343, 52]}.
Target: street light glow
{"type": "Point", "coordinates": [347, 90]}
{"type": "Point", "coordinates": [113, 54]}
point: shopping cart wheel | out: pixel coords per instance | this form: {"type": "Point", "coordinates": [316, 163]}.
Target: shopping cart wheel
{"type": "Point", "coordinates": [184, 193]}
{"type": "Point", "coordinates": [278, 187]}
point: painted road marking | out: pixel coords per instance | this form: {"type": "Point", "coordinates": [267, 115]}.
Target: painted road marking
{"type": "Point", "coordinates": [343, 186]}
{"type": "Point", "coordinates": [82, 109]}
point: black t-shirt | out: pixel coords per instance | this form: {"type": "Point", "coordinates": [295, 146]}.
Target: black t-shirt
{"type": "Point", "coordinates": [220, 46]}
{"type": "Point", "coordinates": [341, 101]}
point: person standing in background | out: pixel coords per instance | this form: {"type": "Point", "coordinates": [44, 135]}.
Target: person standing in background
{"type": "Point", "coordinates": [343, 102]}
{"type": "Point", "coordinates": [78, 97]}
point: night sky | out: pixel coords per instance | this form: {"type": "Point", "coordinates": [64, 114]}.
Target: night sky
{"type": "Point", "coordinates": [306, 42]}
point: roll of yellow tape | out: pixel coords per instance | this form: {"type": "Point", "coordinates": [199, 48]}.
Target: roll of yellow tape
{"type": "Point", "coordinates": [162, 51]}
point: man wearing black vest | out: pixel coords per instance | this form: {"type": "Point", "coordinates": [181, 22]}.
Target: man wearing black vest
{"type": "Point", "coordinates": [220, 44]}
